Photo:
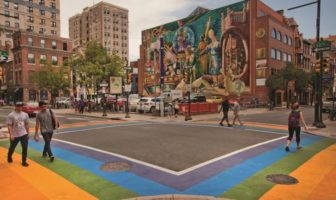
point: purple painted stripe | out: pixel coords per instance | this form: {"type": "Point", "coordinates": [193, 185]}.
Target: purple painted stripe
{"type": "Point", "coordinates": [178, 182]}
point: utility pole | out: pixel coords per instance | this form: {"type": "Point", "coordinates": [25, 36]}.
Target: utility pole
{"type": "Point", "coordinates": [318, 121]}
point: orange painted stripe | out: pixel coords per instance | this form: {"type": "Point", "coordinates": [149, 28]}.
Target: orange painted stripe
{"type": "Point", "coordinates": [42, 179]}
{"type": "Point", "coordinates": [13, 186]}
{"type": "Point", "coordinates": [316, 179]}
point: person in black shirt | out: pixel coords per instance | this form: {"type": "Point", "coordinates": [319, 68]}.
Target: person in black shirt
{"type": "Point", "coordinates": [225, 108]}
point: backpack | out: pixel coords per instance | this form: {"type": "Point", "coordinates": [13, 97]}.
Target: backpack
{"type": "Point", "coordinates": [294, 119]}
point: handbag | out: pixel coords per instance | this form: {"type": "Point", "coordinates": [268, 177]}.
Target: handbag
{"type": "Point", "coordinates": [53, 121]}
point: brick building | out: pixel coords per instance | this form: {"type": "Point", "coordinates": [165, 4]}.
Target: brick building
{"type": "Point", "coordinates": [37, 16]}
{"type": "Point", "coordinates": [227, 51]}
{"type": "Point", "coordinates": [31, 52]}
{"type": "Point", "coordinates": [104, 23]}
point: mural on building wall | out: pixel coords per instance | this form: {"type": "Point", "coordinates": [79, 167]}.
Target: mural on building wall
{"type": "Point", "coordinates": [208, 51]}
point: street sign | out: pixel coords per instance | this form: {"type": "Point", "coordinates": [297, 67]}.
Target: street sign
{"type": "Point", "coordinates": [104, 84]}
{"type": "Point", "coordinates": [128, 88]}
{"type": "Point", "coordinates": [322, 46]}
{"type": "Point", "coordinates": [3, 56]}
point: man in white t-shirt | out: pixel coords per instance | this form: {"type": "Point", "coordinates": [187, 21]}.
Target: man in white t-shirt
{"type": "Point", "coordinates": [18, 129]}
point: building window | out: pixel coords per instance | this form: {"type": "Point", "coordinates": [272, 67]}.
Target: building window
{"type": "Point", "coordinates": [6, 3]}
{"type": "Point", "coordinates": [16, 15]}
{"type": "Point", "coordinates": [53, 45]}
{"type": "Point", "coordinates": [30, 9]}
{"type": "Point", "coordinates": [31, 58]}
{"type": "Point", "coordinates": [42, 12]}
{"type": "Point", "coordinates": [53, 5]}
{"type": "Point", "coordinates": [30, 19]}
{"type": "Point", "coordinates": [41, 2]}
{"type": "Point", "coordinates": [289, 41]}
{"type": "Point", "coordinates": [278, 55]}
{"type": "Point", "coordinates": [53, 24]}
{"type": "Point", "coordinates": [285, 39]}
{"type": "Point", "coordinates": [30, 41]}
{"type": "Point", "coordinates": [274, 33]}
{"type": "Point", "coordinates": [43, 59]}
{"type": "Point", "coordinates": [279, 37]}
{"type": "Point", "coordinates": [42, 42]}
{"type": "Point", "coordinates": [42, 30]}
{"type": "Point", "coordinates": [6, 13]}
{"type": "Point", "coordinates": [53, 15]}
{"type": "Point", "coordinates": [273, 53]}
{"type": "Point", "coordinates": [42, 21]}
{"type": "Point", "coordinates": [284, 57]}
{"type": "Point", "coordinates": [17, 25]}
{"type": "Point", "coordinates": [289, 58]}
{"type": "Point", "coordinates": [30, 28]}
{"type": "Point", "coordinates": [261, 13]}
{"type": "Point", "coordinates": [7, 23]}
{"type": "Point", "coordinates": [65, 46]}
{"type": "Point", "coordinates": [16, 6]}
{"type": "Point", "coordinates": [53, 32]}
{"type": "Point", "coordinates": [54, 60]}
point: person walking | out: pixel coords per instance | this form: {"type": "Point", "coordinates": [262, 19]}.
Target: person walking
{"type": "Point", "coordinates": [236, 110]}
{"type": "Point", "coordinates": [176, 107]}
{"type": "Point", "coordinates": [45, 121]}
{"type": "Point", "coordinates": [18, 129]}
{"type": "Point", "coordinates": [225, 108]}
{"type": "Point", "coordinates": [294, 118]}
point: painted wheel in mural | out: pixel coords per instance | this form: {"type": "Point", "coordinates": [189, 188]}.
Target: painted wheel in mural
{"type": "Point", "coordinates": [183, 37]}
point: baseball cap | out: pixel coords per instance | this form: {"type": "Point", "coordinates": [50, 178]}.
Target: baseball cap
{"type": "Point", "coordinates": [19, 104]}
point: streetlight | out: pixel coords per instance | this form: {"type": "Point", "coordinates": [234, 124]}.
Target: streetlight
{"type": "Point", "coordinates": [188, 117]}
{"type": "Point", "coordinates": [127, 89]}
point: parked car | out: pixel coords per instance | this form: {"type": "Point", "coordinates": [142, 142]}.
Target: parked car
{"type": "Point", "coordinates": [167, 105]}
{"type": "Point", "coordinates": [194, 98]}
{"type": "Point", "coordinates": [63, 102]}
{"type": "Point", "coordinates": [133, 103]}
{"type": "Point", "coordinates": [328, 104]}
{"type": "Point", "coordinates": [146, 104]}
{"type": "Point", "coordinates": [31, 108]}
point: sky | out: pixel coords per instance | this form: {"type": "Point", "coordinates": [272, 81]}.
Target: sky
{"type": "Point", "coordinates": [145, 14]}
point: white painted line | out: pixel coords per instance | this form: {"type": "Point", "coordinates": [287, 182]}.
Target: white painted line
{"type": "Point", "coordinates": [165, 169]}
{"type": "Point", "coordinates": [75, 118]}
{"type": "Point", "coordinates": [103, 127]}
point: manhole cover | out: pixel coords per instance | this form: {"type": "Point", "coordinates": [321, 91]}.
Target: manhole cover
{"type": "Point", "coordinates": [115, 166]}
{"type": "Point", "coordinates": [281, 179]}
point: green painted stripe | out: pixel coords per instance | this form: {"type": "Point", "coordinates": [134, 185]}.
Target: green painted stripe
{"type": "Point", "coordinates": [98, 187]}
{"type": "Point", "coordinates": [257, 185]}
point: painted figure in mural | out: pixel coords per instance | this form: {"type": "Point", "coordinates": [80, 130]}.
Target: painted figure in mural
{"type": "Point", "coordinates": [203, 56]}
{"type": "Point", "coordinates": [182, 41]}
{"type": "Point", "coordinates": [214, 49]}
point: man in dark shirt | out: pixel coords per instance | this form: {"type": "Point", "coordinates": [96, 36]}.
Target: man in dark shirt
{"type": "Point", "coordinates": [225, 108]}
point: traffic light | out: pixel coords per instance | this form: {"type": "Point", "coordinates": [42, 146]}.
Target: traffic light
{"type": "Point", "coordinates": [318, 65]}
{"type": "Point", "coordinates": [326, 65]}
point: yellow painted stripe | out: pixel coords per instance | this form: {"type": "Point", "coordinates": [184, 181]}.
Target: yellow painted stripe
{"type": "Point", "coordinates": [45, 181]}
{"type": "Point", "coordinates": [316, 177]}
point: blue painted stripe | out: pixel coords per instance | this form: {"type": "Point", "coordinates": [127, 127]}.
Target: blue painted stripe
{"type": "Point", "coordinates": [214, 186]}
{"type": "Point", "coordinates": [226, 180]}
{"type": "Point", "coordinates": [127, 180]}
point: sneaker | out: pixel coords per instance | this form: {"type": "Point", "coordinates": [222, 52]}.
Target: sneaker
{"type": "Point", "coordinates": [52, 158]}
{"type": "Point", "coordinates": [221, 124]}
{"type": "Point", "coordinates": [299, 147]}
{"type": "Point", "coordinates": [25, 164]}
{"type": "Point", "coordinates": [287, 149]}
{"type": "Point", "coordinates": [229, 125]}
{"type": "Point", "coordinates": [9, 160]}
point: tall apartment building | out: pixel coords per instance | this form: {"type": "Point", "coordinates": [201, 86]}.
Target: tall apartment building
{"type": "Point", "coordinates": [38, 16]}
{"type": "Point", "coordinates": [104, 23]}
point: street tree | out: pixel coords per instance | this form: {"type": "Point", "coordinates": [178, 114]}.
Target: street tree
{"type": "Point", "coordinates": [53, 78]}
{"type": "Point", "coordinates": [95, 65]}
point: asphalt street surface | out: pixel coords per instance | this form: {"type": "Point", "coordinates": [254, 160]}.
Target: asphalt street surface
{"type": "Point", "coordinates": [172, 146]}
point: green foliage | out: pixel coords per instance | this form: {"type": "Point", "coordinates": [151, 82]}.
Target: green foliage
{"type": "Point", "coordinates": [52, 78]}
{"type": "Point", "coordinates": [95, 64]}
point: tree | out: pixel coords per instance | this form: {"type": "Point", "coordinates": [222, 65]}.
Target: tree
{"type": "Point", "coordinates": [53, 79]}
{"type": "Point", "coordinates": [274, 82]}
{"type": "Point", "coordinates": [95, 65]}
